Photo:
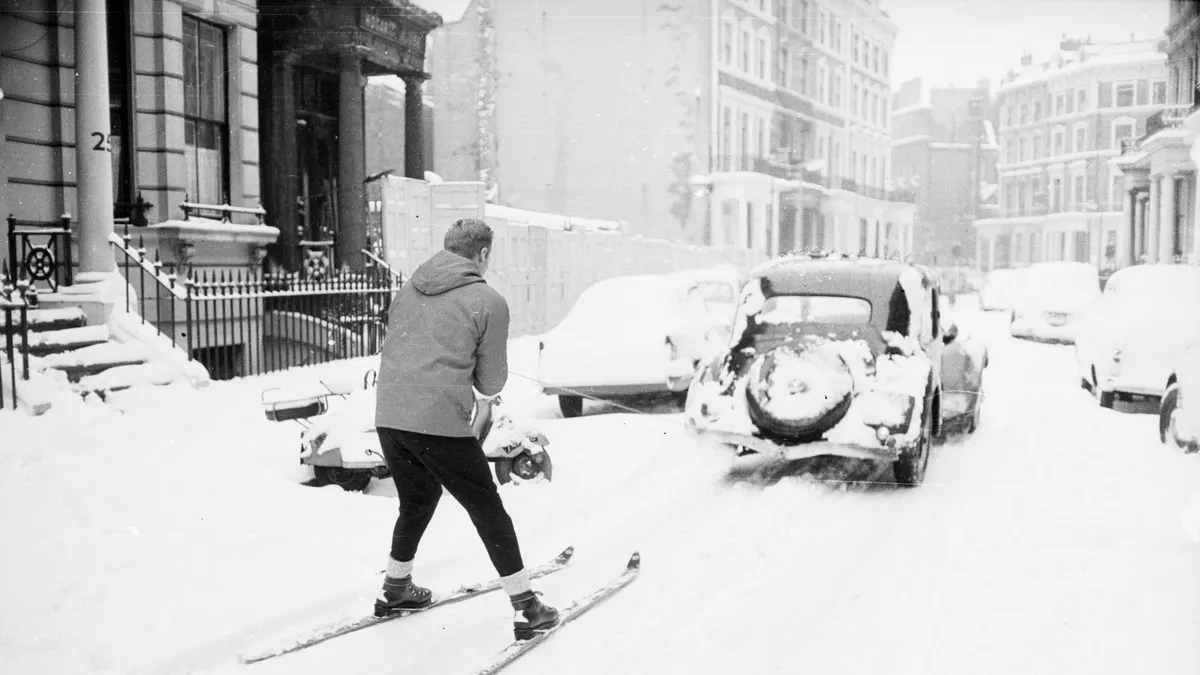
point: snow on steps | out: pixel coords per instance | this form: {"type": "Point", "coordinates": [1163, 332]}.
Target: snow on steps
{"type": "Point", "coordinates": [44, 342]}
{"type": "Point", "coordinates": [56, 318]}
{"type": "Point", "coordinates": [97, 358]}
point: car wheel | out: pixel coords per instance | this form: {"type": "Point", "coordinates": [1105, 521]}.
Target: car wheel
{"type": "Point", "coordinates": [571, 406]}
{"type": "Point", "coordinates": [350, 480]}
{"type": "Point", "coordinates": [1169, 417]}
{"type": "Point", "coordinates": [910, 468]}
{"type": "Point", "coordinates": [814, 395]}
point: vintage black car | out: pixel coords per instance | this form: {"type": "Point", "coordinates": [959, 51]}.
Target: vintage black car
{"type": "Point", "coordinates": [831, 356]}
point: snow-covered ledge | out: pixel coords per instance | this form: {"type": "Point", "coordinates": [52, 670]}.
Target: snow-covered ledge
{"type": "Point", "coordinates": [207, 243]}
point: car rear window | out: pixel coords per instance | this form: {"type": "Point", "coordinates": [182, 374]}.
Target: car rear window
{"type": "Point", "coordinates": [829, 309]}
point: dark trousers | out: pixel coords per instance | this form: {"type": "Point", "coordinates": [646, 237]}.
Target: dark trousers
{"type": "Point", "coordinates": [421, 466]}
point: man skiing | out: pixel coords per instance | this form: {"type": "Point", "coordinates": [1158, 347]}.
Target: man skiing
{"type": "Point", "coordinates": [447, 332]}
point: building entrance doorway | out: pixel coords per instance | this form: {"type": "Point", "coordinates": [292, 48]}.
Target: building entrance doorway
{"type": "Point", "coordinates": [317, 168]}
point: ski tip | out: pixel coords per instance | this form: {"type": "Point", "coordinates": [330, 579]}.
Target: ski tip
{"type": "Point", "coordinates": [635, 561]}
{"type": "Point", "coordinates": [566, 554]}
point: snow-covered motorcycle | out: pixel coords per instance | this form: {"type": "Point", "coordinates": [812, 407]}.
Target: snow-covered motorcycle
{"type": "Point", "coordinates": [343, 449]}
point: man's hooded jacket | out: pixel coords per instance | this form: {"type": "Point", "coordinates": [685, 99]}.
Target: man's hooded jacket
{"type": "Point", "coordinates": [447, 332]}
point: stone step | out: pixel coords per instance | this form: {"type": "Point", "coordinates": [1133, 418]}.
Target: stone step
{"type": "Point", "coordinates": [122, 377]}
{"type": "Point", "coordinates": [66, 339]}
{"type": "Point", "coordinates": [46, 319]}
{"type": "Point", "coordinates": [79, 363]}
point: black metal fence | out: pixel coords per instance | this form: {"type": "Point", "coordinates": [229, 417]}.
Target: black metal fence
{"type": "Point", "coordinates": [40, 251]}
{"type": "Point", "coordinates": [15, 302]}
{"type": "Point", "coordinates": [240, 322]}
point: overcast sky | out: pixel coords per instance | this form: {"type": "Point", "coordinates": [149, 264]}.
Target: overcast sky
{"type": "Point", "coordinates": [957, 41]}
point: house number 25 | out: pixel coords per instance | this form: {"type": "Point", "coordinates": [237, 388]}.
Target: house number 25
{"type": "Point", "coordinates": [101, 142]}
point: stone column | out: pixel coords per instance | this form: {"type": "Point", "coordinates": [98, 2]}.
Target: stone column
{"type": "Point", "coordinates": [93, 159]}
{"type": "Point", "coordinates": [414, 142]}
{"type": "Point", "coordinates": [1195, 156]}
{"type": "Point", "coordinates": [978, 253]}
{"type": "Point", "coordinates": [1166, 224]}
{"type": "Point", "coordinates": [352, 198]}
{"type": "Point", "coordinates": [1125, 231]}
{"type": "Point", "coordinates": [991, 252]}
{"type": "Point", "coordinates": [1139, 227]}
{"type": "Point", "coordinates": [1153, 219]}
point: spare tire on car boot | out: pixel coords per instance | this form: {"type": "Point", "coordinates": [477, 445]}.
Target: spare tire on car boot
{"type": "Point", "coordinates": [798, 393]}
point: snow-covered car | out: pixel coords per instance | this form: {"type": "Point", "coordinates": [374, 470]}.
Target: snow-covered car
{"type": "Point", "coordinates": [719, 287]}
{"type": "Point", "coordinates": [1179, 410]}
{"type": "Point", "coordinates": [831, 356]}
{"type": "Point", "coordinates": [1050, 299]}
{"type": "Point", "coordinates": [627, 335]}
{"type": "Point", "coordinates": [1001, 288]}
{"type": "Point", "coordinates": [1129, 340]}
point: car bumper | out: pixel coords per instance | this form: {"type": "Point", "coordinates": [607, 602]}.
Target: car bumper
{"type": "Point", "coordinates": [1129, 386]}
{"type": "Point", "coordinates": [769, 448]}
{"type": "Point", "coordinates": [601, 390]}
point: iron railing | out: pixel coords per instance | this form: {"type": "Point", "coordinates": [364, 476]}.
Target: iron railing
{"type": "Point", "coordinates": [40, 251]}
{"type": "Point", "coordinates": [15, 302]}
{"type": "Point", "coordinates": [239, 322]}
{"type": "Point", "coordinates": [225, 210]}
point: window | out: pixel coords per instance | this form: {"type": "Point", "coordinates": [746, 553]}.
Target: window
{"type": "Point", "coordinates": [855, 48]}
{"type": "Point", "coordinates": [854, 99]}
{"type": "Point", "coordinates": [744, 146]}
{"type": "Point", "coordinates": [745, 51]}
{"type": "Point", "coordinates": [1080, 138]}
{"type": "Point", "coordinates": [870, 178]}
{"type": "Point", "coordinates": [874, 108]}
{"type": "Point", "coordinates": [1079, 197]}
{"type": "Point", "coordinates": [885, 63]}
{"type": "Point", "coordinates": [1058, 141]}
{"type": "Point", "coordinates": [205, 125]}
{"type": "Point", "coordinates": [1125, 93]}
{"type": "Point", "coordinates": [762, 59]}
{"type": "Point", "coordinates": [762, 137]}
{"type": "Point", "coordinates": [864, 101]}
{"type": "Point", "coordinates": [821, 85]}
{"type": "Point", "coordinates": [121, 133]}
{"type": "Point", "coordinates": [1080, 100]}
{"type": "Point", "coordinates": [727, 138]}
{"type": "Point", "coordinates": [801, 74]}
{"type": "Point", "coordinates": [1122, 131]}
{"type": "Point", "coordinates": [1159, 92]}
{"type": "Point", "coordinates": [835, 90]}
{"type": "Point", "coordinates": [835, 28]}
{"type": "Point", "coordinates": [875, 58]}
{"type": "Point", "coordinates": [1024, 113]}
{"type": "Point", "coordinates": [1060, 105]}
{"type": "Point", "coordinates": [727, 44]}
{"type": "Point", "coordinates": [829, 309]}
{"type": "Point", "coordinates": [821, 21]}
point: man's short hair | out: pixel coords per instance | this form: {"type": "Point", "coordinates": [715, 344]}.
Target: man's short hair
{"type": "Point", "coordinates": [467, 237]}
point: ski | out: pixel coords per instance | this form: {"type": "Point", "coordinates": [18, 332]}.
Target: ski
{"type": "Point", "coordinates": [519, 648]}
{"type": "Point", "coordinates": [341, 628]}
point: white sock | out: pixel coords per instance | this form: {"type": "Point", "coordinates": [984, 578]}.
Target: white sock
{"type": "Point", "coordinates": [516, 584]}
{"type": "Point", "coordinates": [397, 569]}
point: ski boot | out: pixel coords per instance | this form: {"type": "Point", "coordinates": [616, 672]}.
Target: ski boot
{"type": "Point", "coordinates": [531, 616]}
{"type": "Point", "coordinates": [398, 595]}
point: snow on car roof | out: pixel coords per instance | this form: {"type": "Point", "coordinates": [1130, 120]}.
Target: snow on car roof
{"type": "Point", "coordinates": [1156, 279]}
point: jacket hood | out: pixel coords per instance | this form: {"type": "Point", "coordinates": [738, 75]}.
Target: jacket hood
{"type": "Point", "coordinates": [445, 271]}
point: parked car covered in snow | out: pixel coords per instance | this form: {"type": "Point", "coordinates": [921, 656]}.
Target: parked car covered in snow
{"type": "Point", "coordinates": [832, 356]}
{"type": "Point", "coordinates": [1179, 410]}
{"type": "Point", "coordinates": [1130, 339]}
{"type": "Point", "coordinates": [636, 334]}
{"type": "Point", "coordinates": [1050, 299]}
{"type": "Point", "coordinates": [1001, 288]}
{"type": "Point", "coordinates": [719, 287]}
{"type": "Point", "coordinates": [964, 359]}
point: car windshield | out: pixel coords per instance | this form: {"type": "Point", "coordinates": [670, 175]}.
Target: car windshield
{"type": "Point", "coordinates": [815, 309]}
{"type": "Point", "coordinates": [1181, 282]}
{"type": "Point", "coordinates": [1068, 278]}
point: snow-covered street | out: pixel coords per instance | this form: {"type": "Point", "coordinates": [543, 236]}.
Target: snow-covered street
{"type": "Point", "coordinates": [168, 530]}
